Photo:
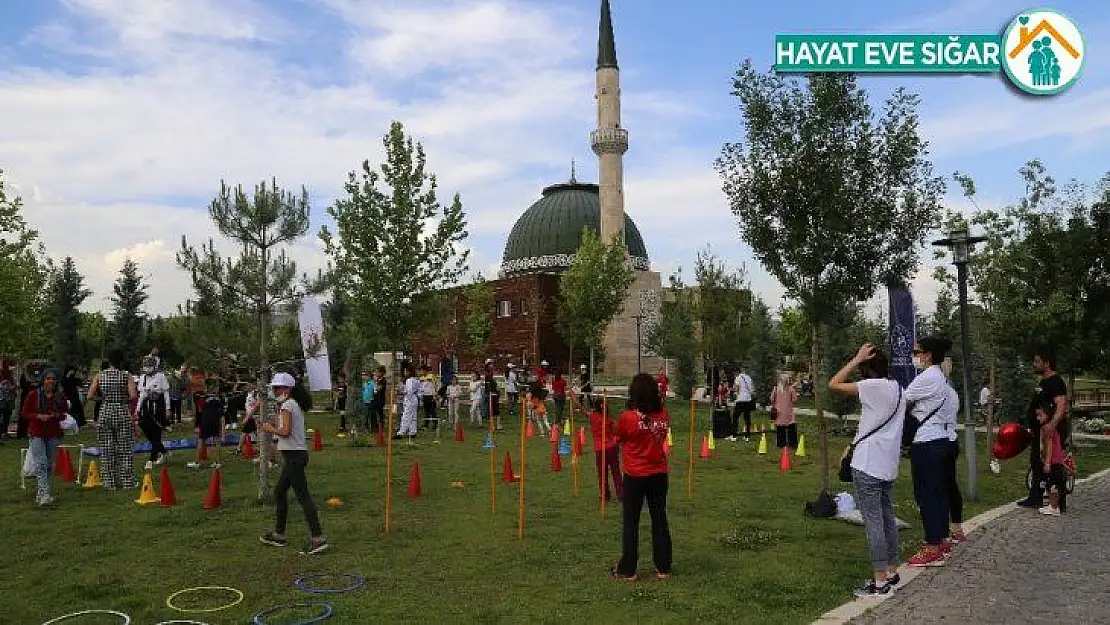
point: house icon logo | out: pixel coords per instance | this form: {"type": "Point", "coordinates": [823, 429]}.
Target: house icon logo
{"type": "Point", "coordinates": [1043, 52]}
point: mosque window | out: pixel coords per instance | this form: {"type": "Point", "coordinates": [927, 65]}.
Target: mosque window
{"type": "Point", "coordinates": [504, 308]}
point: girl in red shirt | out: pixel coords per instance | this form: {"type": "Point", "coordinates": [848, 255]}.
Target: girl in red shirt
{"type": "Point", "coordinates": [607, 457]}
{"type": "Point", "coordinates": [642, 434]}
{"type": "Point", "coordinates": [559, 394]}
{"type": "Point", "coordinates": [43, 410]}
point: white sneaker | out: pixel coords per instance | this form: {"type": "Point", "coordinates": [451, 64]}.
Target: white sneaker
{"type": "Point", "coordinates": [192, 465]}
{"type": "Point", "coordinates": [45, 501]}
{"type": "Point", "coordinates": [161, 459]}
{"type": "Point", "coordinates": [148, 466]}
{"type": "Point", "coordinates": [1050, 511]}
{"type": "Point", "coordinates": [731, 439]}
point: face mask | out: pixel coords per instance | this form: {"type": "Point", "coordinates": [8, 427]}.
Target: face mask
{"type": "Point", "coordinates": [918, 364]}
{"type": "Point", "coordinates": [270, 393]}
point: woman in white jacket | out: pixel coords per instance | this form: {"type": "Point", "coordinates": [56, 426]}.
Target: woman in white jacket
{"type": "Point", "coordinates": [410, 403]}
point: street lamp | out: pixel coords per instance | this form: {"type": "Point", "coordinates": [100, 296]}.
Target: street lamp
{"type": "Point", "coordinates": [961, 244]}
{"type": "Point", "coordinates": [639, 343]}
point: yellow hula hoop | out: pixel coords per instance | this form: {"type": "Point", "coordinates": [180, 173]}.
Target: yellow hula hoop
{"type": "Point", "coordinates": [237, 601]}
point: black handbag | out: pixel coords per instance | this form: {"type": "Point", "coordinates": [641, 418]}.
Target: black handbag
{"type": "Point", "coordinates": [845, 472]}
{"type": "Point", "coordinates": [910, 428]}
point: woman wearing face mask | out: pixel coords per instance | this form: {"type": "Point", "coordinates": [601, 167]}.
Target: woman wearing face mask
{"type": "Point", "coordinates": [154, 405]}
{"type": "Point", "coordinates": [43, 410]}
{"type": "Point", "coordinates": [116, 434]}
{"type": "Point", "coordinates": [927, 428]}
{"type": "Point", "coordinates": [290, 433]}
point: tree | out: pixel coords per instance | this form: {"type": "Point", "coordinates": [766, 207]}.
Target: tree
{"type": "Point", "coordinates": [478, 321]}
{"type": "Point", "coordinates": [261, 278]}
{"type": "Point", "coordinates": [394, 246]}
{"type": "Point", "coordinates": [537, 304]}
{"type": "Point", "coordinates": [92, 333]}
{"type": "Point", "coordinates": [833, 200]}
{"type": "Point", "coordinates": [795, 335]}
{"type": "Point", "coordinates": [673, 337]}
{"type": "Point", "coordinates": [763, 356]}
{"type": "Point", "coordinates": [846, 330]}
{"type": "Point", "coordinates": [67, 287]}
{"type": "Point", "coordinates": [592, 292]}
{"type": "Point", "coordinates": [720, 305]}
{"type": "Point", "coordinates": [23, 273]}
{"type": "Point", "coordinates": [128, 313]}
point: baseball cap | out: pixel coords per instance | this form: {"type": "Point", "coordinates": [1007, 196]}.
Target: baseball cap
{"type": "Point", "coordinates": [283, 380]}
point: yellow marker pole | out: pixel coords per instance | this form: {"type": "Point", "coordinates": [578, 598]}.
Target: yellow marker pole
{"type": "Point", "coordinates": [389, 458]}
{"type": "Point", "coordinates": [604, 482]}
{"type": "Point", "coordinates": [523, 465]}
{"type": "Point", "coordinates": [574, 457]}
{"type": "Point", "coordinates": [690, 468]}
{"type": "Point", "coordinates": [492, 461]}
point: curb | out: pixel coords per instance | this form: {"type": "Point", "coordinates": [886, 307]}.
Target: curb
{"type": "Point", "coordinates": [858, 607]}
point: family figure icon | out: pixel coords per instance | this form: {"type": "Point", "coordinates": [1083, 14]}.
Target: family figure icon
{"type": "Point", "coordinates": [1044, 67]}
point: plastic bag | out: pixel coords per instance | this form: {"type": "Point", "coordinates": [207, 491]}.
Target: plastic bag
{"type": "Point", "coordinates": [69, 424]}
{"type": "Point", "coordinates": [29, 463]}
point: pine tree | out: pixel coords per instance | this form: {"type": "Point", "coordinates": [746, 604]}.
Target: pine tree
{"type": "Point", "coordinates": [67, 287]}
{"type": "Point", "coordinates": [129, 296]}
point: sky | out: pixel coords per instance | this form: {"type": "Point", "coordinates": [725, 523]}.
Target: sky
{"type": "Point", "coordinates": [119, 118]}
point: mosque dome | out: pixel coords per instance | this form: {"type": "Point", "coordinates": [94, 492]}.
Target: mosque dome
{"type": "Point", "coordinates": [546, 237]}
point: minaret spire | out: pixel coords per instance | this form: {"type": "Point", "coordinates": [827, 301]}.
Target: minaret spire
{"type": "Point", "coordinates": [606, 46]}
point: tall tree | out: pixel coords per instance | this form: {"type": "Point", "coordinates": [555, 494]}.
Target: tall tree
{"type": "Point", "coordinates": [592, 292]}
{"type": "Point", "coordinates": [763, 355]}
{"type": "Point", "coordinates": [674, 338]}
{"type": "Point", "coordinates": [92, 333]}
{"type": "Point", "coordinates": [67, 287]}
{"type": "Point", "coordinates": [23, 273]}
{"type": "Point", "coordinates": [833, 199]}
{"type": "Point", "coordinates": [129, 296]}
{"type": "Point", "coordinates": [795, 335]}
{"type": "Point", "coordinates": [261, 278]}
{"type": "Point", "coordinates": [720, 305]}
{"type": "Point", "coordinates": [394, 242]}
{"type": "Point", "coordinates": [478, 321]}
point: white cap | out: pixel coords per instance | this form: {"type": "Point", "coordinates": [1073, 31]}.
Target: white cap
{"type": "Point", "coordinates": [543, 363]}
{"type": "Point", "coordinates": [511, 365]}
{"type": "Point", "coordinates": [283, 380]}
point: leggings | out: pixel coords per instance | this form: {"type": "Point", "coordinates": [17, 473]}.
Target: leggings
{"type": "Point", "coordinates": [293, 476]}
{"type": "Point", "coordinates": [150, 422]}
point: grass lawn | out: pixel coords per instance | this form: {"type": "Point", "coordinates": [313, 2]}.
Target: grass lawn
{"type": "Point", "coordinates": [743, 550]}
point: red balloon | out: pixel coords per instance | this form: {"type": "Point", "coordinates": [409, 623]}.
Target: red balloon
{"type": "Point", "coordinates": [1012, 439]}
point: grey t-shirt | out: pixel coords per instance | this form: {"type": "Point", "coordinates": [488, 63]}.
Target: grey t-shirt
{"type": "Point", "coordinates": [295, 441]}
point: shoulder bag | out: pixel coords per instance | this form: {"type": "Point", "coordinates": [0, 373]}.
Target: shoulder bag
{"type": "Point", "coordinates": [909, 430]}
{"type": "Point", "coordinates": [845, 473]}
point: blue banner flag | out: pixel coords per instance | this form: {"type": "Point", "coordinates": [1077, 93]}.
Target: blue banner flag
{"type": "Point", "coordinates": [902, 335]}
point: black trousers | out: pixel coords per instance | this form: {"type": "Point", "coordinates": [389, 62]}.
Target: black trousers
{"type": "Point", "coordinates": [744, 408]}
{"type": "Point", "coordinates": [376, 415]}
{"type": "Point", "coordinates": [151, 416]}
{"type": "Point", "coordinates": [293, 476]}
{"type": "Point", "coordinates": [6, 411]}
{"type": "Point", "coordinates": [175, 410]}
{"type": "Point", "coordinates": [514, 403]}
{"type": "Point", "coordinates": [429, 410]}
{"type": "Point", "coordinates": [653, 488]}
{"type": "Point", "coordinates": [1057, 479]}
{"type": "Point", "coordinates": [787, 436]}
{"type": "Point", "coordinates": [955, 497]}
{"type": "Point", "coordinates": [929, 463]}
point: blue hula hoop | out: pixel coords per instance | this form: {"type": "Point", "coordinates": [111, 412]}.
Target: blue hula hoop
{"type": "Point", "coordinates": [302, 583]}
{"type": "Point", "coordinates": [329, 611]}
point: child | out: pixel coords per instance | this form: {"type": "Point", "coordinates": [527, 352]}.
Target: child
{"type": "Point", "coordinates": [428, 398]}
{"type": "Point", "coordinates": [208, 427]}
{"type": "Point", "coordinates": [722, 394]}
{"type": "Point", "coordinates": [607, 456]}
{"type": "Point", "coordinates": [476, 399]}
{"type": "Point", "coordinates": [538, 407]}
{"type": "Point", "coordinates": [559, 394]}
{"type": "Point", "coordinates": [453, 393]}
{"type": "Point", "coordinates": [642, 434]}
{"type": "Point", "coordinates": [1052, 454]}
{"type": "Point", "coordinates": [294, 451]}
{"type": "Point", "coordinates": [368, 399]}
{"type": "Point", "coordinates": [250, 423]}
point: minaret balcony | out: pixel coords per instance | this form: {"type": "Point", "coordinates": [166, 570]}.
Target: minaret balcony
{"type": "Point", "coordinates": [609, 141]}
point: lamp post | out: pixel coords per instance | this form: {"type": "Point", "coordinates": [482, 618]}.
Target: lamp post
{"type": "Point", "coordinates": [639, 343]}
{"type": "Point", "coordinates": [961, 244]}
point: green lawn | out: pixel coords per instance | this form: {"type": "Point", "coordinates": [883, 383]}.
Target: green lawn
{"type": "Point", "coordinates": [743, 550]}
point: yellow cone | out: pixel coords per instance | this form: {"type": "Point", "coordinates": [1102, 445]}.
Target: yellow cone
{"type": "Point", "coordinates": [801, 453]}
{"type": "Point", "coordinates": [92, 478]}
{"type": "Point", "coordinates": [712, 442]}
{"type": "Point", "coordinates": [763, 444]}
{"type": "Point", "coordinates": [566, 428]}
{"type": "Point", "coordinates": [670, 439]}
{"type": "Point", "coordinates": [148, 496]}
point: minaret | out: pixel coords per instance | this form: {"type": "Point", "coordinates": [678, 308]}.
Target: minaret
{"type": "Point", "coordinates": [609, 141]}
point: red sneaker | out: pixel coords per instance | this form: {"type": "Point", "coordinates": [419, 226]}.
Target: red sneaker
{"type": "Point", "coordinates": [958, 537]}
{"type": "Point", "coordinates": [929, 555]}
{"type": "Point", "coordinates": [946, 547]}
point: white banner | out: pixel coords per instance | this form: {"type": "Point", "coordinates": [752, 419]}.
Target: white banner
{"type": "Point", "coordinates": [315, 347]}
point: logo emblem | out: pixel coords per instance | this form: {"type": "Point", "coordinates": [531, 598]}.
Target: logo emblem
{"type": "Point", "coordinates": [1043, 52]}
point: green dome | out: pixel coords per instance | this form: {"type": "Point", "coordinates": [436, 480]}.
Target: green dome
{"type": "Point", "coordinates": [546, 236]}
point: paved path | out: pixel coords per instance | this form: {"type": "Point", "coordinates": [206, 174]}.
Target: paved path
{"type": "Point", "coordinates": [1021, 568]}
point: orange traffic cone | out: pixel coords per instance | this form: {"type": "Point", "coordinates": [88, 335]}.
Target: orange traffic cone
{"type": "Point", "coordinates": [704, 447]}
{"type": "Point", "coordinates": [63, 466]}
{"type": "Point", "coordinates": [318, 442]}
{"type": "Point", "coordinates": [529, 430]}
{"type": "Point", "coordinates": [212, 499]}
{"type": "Point", "coordinates": [556, 461]}
{"type": "Point", "coordinates": [784, 461]}
{"type": "Point", "coordinates": [414, 480]}
{"type": "Point", "coordinates": [507, 474]}
{"type": "Point", "coordinates": [581, 438]}
{"type": "Point", "coordinates": [248, 448]}
{"type": "Point", "coordinates": [203, 457]}
{"type": "Point", "coordinates": [169, 497]}
{"type": "Point", "coordinates": [459, 432]}
{"type": "Point", "coordinates": [554, 438]}
{"type": "Point", "coordinates": [381, 437]}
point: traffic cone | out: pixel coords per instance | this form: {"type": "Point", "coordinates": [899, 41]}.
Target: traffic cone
{"type": "Point", "coordinates": [381, 437]}
{"type": "Point", "coordinates": [489, 444]}
{"type": "Point", "coordinates": [529, 430]}
{"type": "Point", "coordinates": [556, 461]}
{"type": "Point", "coordinates": [704, 447]}
{"type": "Point", "coordinates": [459, 436]}
{"type": "Point", "coordinates": [63, 466]}
{"type": "Point", "coordinates": [169, 497]}
{"type": "Point", "coordinates": [212, 499]}
{"type": "Point", "coordinates": [712, 442]}
{"type": "Point", "coordinates": [414, 480]}
{"type": "Point", "coordinates": [147, 496]}
{"type": "Point", "coordinates": [507, 475]}
{"type": "Point", "coordinates": [784, 460]}
{"type": "Point", "coordinates": [801, 453]}
{"type": "Point", "coordinates": [554, 437]}
{"type": "Point", "coordinates": [566, 428]}
{"type": "Point", "coordinates": [92, 478]}
{"type": "Point", "coordinates": [581, 438]}
{"type": "Point", "coordinates": [203, 457]}
{"type": "Point", "coordinates": [248, 448]}
{"type": "Point", "coordinates": [318, 442]}
{"type": "Point", "coordinates": [564, 446]}
{"type": "Point", "coordinates": [763, 444]}
{"type": "Point", "coordinates": [670, 438]}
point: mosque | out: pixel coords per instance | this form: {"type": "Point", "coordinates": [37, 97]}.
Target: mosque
{"type": "Point", "coordinates": [542, 244]}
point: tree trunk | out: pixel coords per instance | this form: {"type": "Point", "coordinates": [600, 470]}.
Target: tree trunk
{"type": "Point", "coordinates": [593, 380]}
{"type": "Point", "coordinates": [822, 428]}
{"type": "Point", "coordinates": [570, 359]}
{"type": "Point", "coordinates": [264, 414]}
{"type": "Point", "coordinates": [990, 412]}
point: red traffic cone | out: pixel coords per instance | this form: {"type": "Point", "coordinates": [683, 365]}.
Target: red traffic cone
{"type": "Point", "coordinates": [459, 432]}
{"type": "Point", "coordinates": [576, 449]}
{"type": "Point", "coordinates": [581, 439]}
{"type": "Point", "coordinates": [64, 466]}
{"type": "Point", "coordinates": [556, 461]}
{"type": "Point", "coordinates": [318, 442]}
{"type": "Point", "coordinates": [414, 480]}
{"type": "Point", "coordinates": [784, 461]}
{"type": "Point", "coordinates": [168, 496]}
{"type": "Point", "coordinates": [381, 437]}
{"type": "Point", "coordinates": [212, 499]}
{"type": "Point", "coordinates": [203, 453]}
{"type": "Point", "coordinates": [248, 448]}
{"type": "Point", "coordinates": [554, 438]}
{"type": "Point", "coordinates": [507, 474]}
{"type": "Point", "coordinates": [704, 447]}
{"type": "Point", "coordinates": [529, 430]}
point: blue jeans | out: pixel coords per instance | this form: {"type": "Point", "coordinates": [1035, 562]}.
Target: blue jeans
{"type": "Point", "coordinates": [43, 450]}
{"type": "Point", "coordinates": [877, 508]}
{"type": "Point", "coordinates": [930, 463]}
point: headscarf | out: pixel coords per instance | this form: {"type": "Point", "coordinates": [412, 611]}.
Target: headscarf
{"type": "Point", "coordinates": [59, 396]}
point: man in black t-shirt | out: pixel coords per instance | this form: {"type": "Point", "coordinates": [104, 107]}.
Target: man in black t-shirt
{"type": "Point", "coordinates": [1051, 391]}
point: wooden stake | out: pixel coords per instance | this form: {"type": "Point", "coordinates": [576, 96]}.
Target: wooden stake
{"type": "Point", "coordinates": [690, 468]}
{"type": "Point", "coordinates": [523, 465]}
{"type": "Point", "coordinates": [492, 460]}
{"type": "Point", "coordinates": [389, 457]}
